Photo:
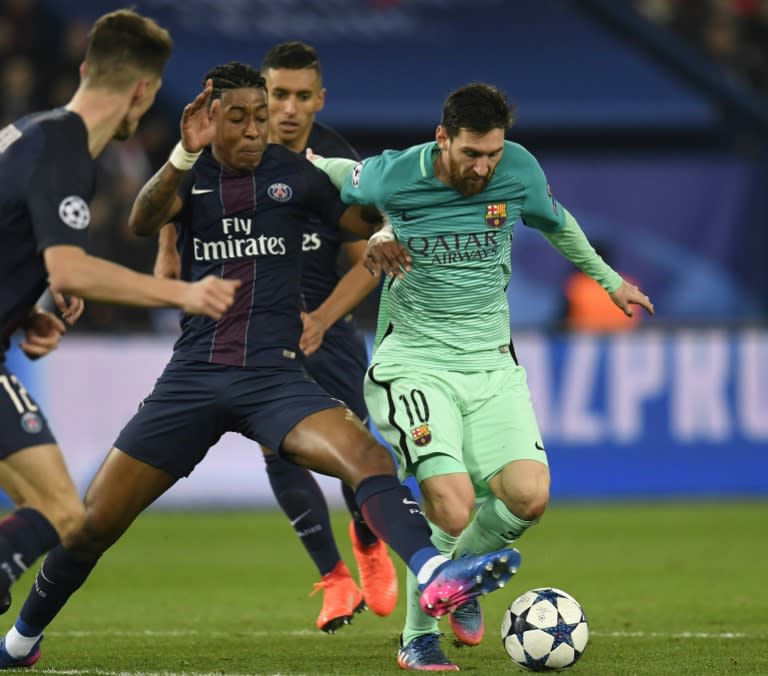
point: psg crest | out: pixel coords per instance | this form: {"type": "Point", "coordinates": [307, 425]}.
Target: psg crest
{"type": "Point", "coordinates": [280, 192]}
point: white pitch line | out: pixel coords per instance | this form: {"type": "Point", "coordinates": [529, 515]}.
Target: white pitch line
{"type": "Point", "coordinates": [682, 634]}
{"type": "Point", "coordinates": [99, 672]}
{"type": "Point", "coordinates": [182, 633]}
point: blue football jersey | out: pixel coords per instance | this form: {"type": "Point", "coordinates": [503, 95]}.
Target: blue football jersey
{"type": "Point", "coordinates": [322, 242]}
{"type": "Point", "coordinates": [47, 177]}
{"type": "Point", "coordinates": [250, 226]}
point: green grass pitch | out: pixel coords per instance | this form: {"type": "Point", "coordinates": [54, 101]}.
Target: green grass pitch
{"type": "Point", "coordinates": [673, 588]}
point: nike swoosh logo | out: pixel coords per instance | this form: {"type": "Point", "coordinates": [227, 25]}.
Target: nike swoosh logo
{"type": "Point", "coordinates": [299, 517]}
{"type": "Point", "coordinates": [200, 191]}
{"type": "Point", "coordinates": [539, 446]}
{"type": "Point", "coordinates": [406, 501]}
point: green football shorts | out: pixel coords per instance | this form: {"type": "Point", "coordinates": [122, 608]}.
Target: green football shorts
{"type": "Point", "coordinates": [441, 422]}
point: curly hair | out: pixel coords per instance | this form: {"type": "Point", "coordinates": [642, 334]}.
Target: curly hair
{"type": "Point", "coordinates": [234, 75]}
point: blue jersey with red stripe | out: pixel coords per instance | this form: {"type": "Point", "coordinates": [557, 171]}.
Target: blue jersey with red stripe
{"type": "Point", "coordinates": [322, 243]}
{"type": "Point", "coordinates": [249, 226]}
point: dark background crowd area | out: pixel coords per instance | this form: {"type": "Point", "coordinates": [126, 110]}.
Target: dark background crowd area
{"type": "Point", "coordinates": [733, 33]}
{"type": "Point", "coordinates": [40, 54]}
{"type": "Point", "coordinates": [40, 69]}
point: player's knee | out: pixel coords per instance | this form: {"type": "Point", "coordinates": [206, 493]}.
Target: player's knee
{"type": "Point", "coordinates": [68, 519]}
{"type": "Point", "coordinates": [528, 503]}
{"type": "Point", "coordinates": [532, 508]}
{"type": "Point", "coordinates": [377, 459]}
{"type": "Point", "coordinates": [453, 517]}
{"type": "Point", "coordinates": [523, 487]}
{"type": "Point", "coordinates": [99, 530]}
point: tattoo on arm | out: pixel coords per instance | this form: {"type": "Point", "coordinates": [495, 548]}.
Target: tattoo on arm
{"type": "Point", "coordinates": [157, 202]}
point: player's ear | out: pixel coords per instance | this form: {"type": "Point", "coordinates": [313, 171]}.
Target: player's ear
{"type": "Point", "coordinates": [441, 136]}
{"type": "Point", "coordinates": [140, 91]}
{"type": "Point", "coordinates": [320, 104]}
{"type": "Point", "coordinates": [214, 108]}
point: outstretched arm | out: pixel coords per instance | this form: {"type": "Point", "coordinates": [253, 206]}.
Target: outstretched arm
{"type": "Point", "coordinates": [571, 241]}
{"type": "Point", "coordinates": [73, 272]}
{"type": "Point", "coordinates": [337, 168]}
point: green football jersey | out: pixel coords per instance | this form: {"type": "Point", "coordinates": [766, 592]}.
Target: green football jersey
{"type": "Point", "coordinates": [451, 310]}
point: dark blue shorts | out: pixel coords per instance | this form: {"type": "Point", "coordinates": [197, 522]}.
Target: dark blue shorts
{"type": "Point", "coordinates": [194, 403]}
{"type": "Point", "coordinates": [22, 423]}
{"type": "Point", "coordinates": [340, 364]}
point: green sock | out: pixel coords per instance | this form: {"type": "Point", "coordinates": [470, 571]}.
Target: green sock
{"type": "Point", "coordinates": [417, 622]}
{"type": "Point", "coordinates": [493, 527]}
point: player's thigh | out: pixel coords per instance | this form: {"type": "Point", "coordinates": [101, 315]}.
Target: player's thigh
{"type": "Point", "coordinates": [32, 468]}
{"type": "Point", "coordinates": [339, 368]}
{"type": "Point", "coordinates": [334, 441]}
{"type": "Point", "coordinates": [501, 427]}
{"type": "Point", "coordinates": [22, 422]}
{"type": "Point", "coordinates": [417, 413]}
{"type": "Point", "coordinates": [180, 420]}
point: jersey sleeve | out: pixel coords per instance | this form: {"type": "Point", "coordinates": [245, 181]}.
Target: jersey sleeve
{"type": "Point", "coordinates": [366, 183]}
{"type": "Point", "coordinates": [58, 192]}
{"type": "Point", "coordinates": [540, 209]}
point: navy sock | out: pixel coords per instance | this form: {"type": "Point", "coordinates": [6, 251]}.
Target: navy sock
{"type": "Point", "coordinates": [60, 576]}
{"type": "Point", "coordinates": [300, 497]}
{"type": "Point", "coordinates": [24, 536]}
{"type": "Point", "coordinates": [364, 534]}
{"type": "Point", "coordinates": [392, 513]}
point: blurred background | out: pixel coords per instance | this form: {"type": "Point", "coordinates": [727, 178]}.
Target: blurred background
{"type": "Point", "coordinates": [650, 118]}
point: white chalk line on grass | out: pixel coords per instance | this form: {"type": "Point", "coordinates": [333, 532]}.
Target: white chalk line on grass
{"type": "Point", "coordinates": [183, 633]}
{"type": "Point", "coordinates": [100, 672]}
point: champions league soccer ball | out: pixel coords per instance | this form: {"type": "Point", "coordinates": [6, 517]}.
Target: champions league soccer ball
{"type": "Point", "coordinates": [545, 630]}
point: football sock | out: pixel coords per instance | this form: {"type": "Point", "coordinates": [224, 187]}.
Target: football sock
{"type": "Point", "coordinates": [300, 497]}
{"type": "Point", "coordinates": [60, 576]}
{"type": "Point", "coordinates": [417, 622]}
{"type": "Point", "coordinates": [391, 512]}
{"type": "Point", "coordinates": [493, 527]}
{"type": "Point", "coordinates": [24, 536]}
{"type": "Point", "coordinates": [366, 536]}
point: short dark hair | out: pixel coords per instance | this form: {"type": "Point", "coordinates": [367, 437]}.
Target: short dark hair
{"type": "Point", "coordinates": [122, 46]}
{"type": "Point", "coordinates": [292, 56]}
{"type": "Point", "coordinates": [234, 75]}
{"type": "Point", "coordinates": [478, 107]}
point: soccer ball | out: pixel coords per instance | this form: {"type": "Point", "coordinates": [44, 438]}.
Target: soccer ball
{"type": "Point", "coordinates": [545, 630]}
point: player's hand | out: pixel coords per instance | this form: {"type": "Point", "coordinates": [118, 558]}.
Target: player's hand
{"type": "Point", "coordinates": [71, 307]}
{"type": "Point", "coordinates": [312, 156]}
{"type": "Point", "coordinates": [43, 331]}
{"type": "Point", "coordinates": [312, 335]}
{"type": "Point", "coordinates": [198, 120]}
{"type": "Point", "coordinates": [387, 256]}
{"type": "Point", "coordinates": [627, 295]}
{"type": "Point", "coordinates": [211, 296]}
{"type": "Point", "coordinates": [167, 264]}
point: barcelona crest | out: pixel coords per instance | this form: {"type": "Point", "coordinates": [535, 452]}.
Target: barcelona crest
{"type": "Point", "coordinates": [421, 435]}
{"type": "Point", "coordinates": [496, 214]}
